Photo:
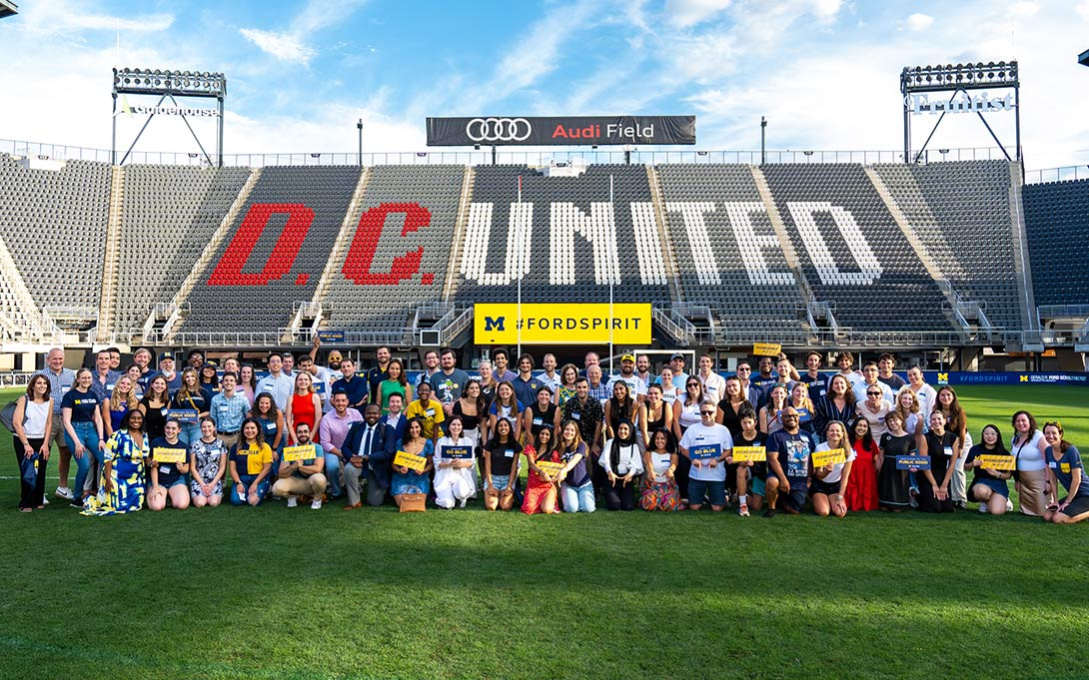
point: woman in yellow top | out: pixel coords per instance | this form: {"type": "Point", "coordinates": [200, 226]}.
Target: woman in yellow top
{"type": "Point", "coordinates": [396, 383]}
{"type": "Point", "coordinates": [251, 464]}
{"type": "Point", "coordinates": [428, 411]}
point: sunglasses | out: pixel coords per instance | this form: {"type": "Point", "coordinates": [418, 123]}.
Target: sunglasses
{"type": "Point", "coordinates": [874, 394]}
{"type": "Point", "coordinates": [707, 413]}
{"type": "Point", "coordinates": [744, 370]}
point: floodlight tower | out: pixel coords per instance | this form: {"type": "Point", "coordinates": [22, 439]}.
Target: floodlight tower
{"type": "Point", "coordinates": [8, 8]}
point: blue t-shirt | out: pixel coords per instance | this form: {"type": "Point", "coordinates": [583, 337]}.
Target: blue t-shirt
{"type": "Point", "coordinates": [318, 453]}
{"type": "Point", "coordinates": [201, 400]}
{"type": "Point", "coordinates": [83, 405]}
{"type": "Point", "coordinates": [1064, 470]}
{"type": "Point", "coordinates": [793, 451]}
{"type": "Point", "coordinates": [168, 472]}
{"type": "Point", "coordinates": [357, 389]}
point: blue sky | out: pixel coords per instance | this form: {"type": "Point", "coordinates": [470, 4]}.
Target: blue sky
{"type": "Point", "coordinates": [824, 72]}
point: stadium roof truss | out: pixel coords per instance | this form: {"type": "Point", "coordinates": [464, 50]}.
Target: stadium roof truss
{"type": "Point", "coordinates": [960, 79]}
{"type": "Point", "coordinates": [168, 85]}
{"type": "Point", "coordinates": [8, 8]}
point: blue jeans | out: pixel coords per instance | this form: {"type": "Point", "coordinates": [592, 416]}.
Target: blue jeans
{"type": "Point", "coordinates": [238, 492]}
{"type": "Point", "coordinates": [332, 473]}
{"type": "Point", "coordinates": [88, 436]}
{"type": "Point", "coordinates": [190, 433]}
{"type": "Point", "coordinates": [578, 499]}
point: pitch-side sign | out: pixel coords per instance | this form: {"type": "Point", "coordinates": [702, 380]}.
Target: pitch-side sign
{"type": "Point", "coordinates": [561, 130]}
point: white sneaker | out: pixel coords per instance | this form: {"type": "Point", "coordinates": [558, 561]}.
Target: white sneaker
{"type": "Point", "coordinates": [463, 502]}
{"type": "Point", "coordinates": [292, 501]}
{"type": "Point", "coordinates": [63, 492]}
{"type": "Point", "coordinates": [1009, 505]}
{"type": "Point", "coordinates": [984, 509]}
{"type": "Point", "coordinates": [315, 504]}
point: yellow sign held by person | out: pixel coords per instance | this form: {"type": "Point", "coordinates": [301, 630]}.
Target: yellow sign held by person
{"type": "Point", "coordinates": [766, 349]}
{"type": "Point", "coordinates": [162, 455]}
{"type": "Point", "coordinates": [829, 457]}
{"type": "Point", "coordinates": [562, 324]}
{"type": "Point", "coordinates": [294, 454]}
{"type": "Point", "coordinates": [750, 454]}
{"type": "Point", "coordinates": [998, 462]}
{"type": "Point", "coordinates": [410, 461]}
{"type": "Point", "coordinates": [549, 468]}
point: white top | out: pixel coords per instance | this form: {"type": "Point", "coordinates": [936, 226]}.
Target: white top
{"type": "Point", "coordinates": [37, 415]}
{"type": "Point", "coordinates": [837, 468]}
{"type": "Point", "coordinates": [853, 378]}
{"type": "Point", "coordinates": [279, 387]}
{"type": "Point", "coordinates": [631, 458]}
{"type": "Point", "coordinates": [451, 476]}
{"type": "Point", "coordinates": [690, 414]}
{"type": "Point", "coordinates": [703, 435]}
{"type": "Point", "coordinates": [876, 420]}
{"type": "Point", "coordinates": [928, 398]}
{"type": "Point", "coordinates": [1029, 458]}
{"type": "Point", "coordinates": [714, 386]}
{"type": "Point", "coordinates": [660, 462]}
{"type": "Point", "coordinates": [636, 386]}
{"type": "Point", "coordinates": [861, 387]}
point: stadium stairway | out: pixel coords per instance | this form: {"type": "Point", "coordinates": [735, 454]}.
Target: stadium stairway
{"type": "Point", "coordinates": [464, 203]}
{"type": "Point", "coordinates": [669, 260]}
{"type": "Point", "coordinates": [177, 311]}
{"type": "Point", "coordinates": [111, 255]}
{"type": "Point", "coordinates": [20, 318]}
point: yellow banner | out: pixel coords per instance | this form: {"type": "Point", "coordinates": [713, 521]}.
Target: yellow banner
{"type": "Point", "coordinates": [829, 457]}
{"type": "Point", "coordinates": [998, 462]}
{"type": "Point", "coordinates": [170, 455]}
{"type": "Point", "coordinates": [558, 324]}
{"type": "Point", "coordinates": [750, 454]}
{"type": "Point", "coordinates": [550, 468]}
{"type": "Point", "coordinates": [297, 453]}
{"type": "Point", "coordinates": [766, 349]}
{"type": "Point", "coordinates": [410, 461]}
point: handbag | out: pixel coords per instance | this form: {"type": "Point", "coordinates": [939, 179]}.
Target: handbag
{"type": "Point", "coordinates": [413, 502]}
{"type": "Point", "coordinates": [7, 415]}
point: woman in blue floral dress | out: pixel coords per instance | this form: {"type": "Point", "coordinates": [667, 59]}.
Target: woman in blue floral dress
{"type": "Point", "coordinates": [122, 486]}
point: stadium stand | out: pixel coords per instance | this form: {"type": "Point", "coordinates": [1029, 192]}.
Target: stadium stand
{"type": "Point", "coordinates": [1057, 225]}
{"type": "Point", "coordinates": [728, 255]}
{"type": "Point", "coordinates": [407, 222]}
{"type": "Point", "coordinates": [562, 238]}
{"type": "Point", "coordinates": [852, 251]}
{"type": "Point", "coordinates": [170, 214]}
{"type": "Point", "coordinates": [291, 219]}
{"type": "Point", "coordinates": [54, 224]}
{"type": "Point", "coordinates": [954, 208]}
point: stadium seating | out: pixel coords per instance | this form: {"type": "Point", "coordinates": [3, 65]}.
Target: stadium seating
{"type": "Point", "coordinates": [1057, 225]}
{"type": "Point", "coordinates": [258, 274]}
{"type": "Point", "coordinates": [409, 214]}
{"type": "Point", "coordinates": [852, 251]}
{"type": "Point", "coordinates": [170, 214]}
{"type": "Point", "coordinates": [54, 224]}
{"type": "Point", "coordinates": [715, 216]}
{"type": "Point", "coordinates": [574, 249]}
{"type": "Point", "coordinates": [961, 212]}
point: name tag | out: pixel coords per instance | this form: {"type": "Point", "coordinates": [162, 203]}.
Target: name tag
{"type": "Point", "coordinates": [949, 450]}
{"type": "Point", "coordinates": [165, 469]}
{"type": "Point", "coordinates": [224, 409]}
{"type": "Point", "coordinates": [430, 412]}
{"type": "Point", "coordinates": [164, 411]}
{"type": "Point", "coordinates": [1053, 465]}
{"type": "Point", "coordinates": [110, 387]}
{"type": "Point", "coordinates": [509, 453]}
{"type": "Point", "coordinates": [576, 417]}
{"type": "Point", "coordinates": [538, 421]}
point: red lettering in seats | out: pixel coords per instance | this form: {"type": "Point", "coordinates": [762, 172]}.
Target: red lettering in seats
{"type": "Point", "coordinates": [228, 271]}
{"type": "Point", "coordinates": [357, 266]}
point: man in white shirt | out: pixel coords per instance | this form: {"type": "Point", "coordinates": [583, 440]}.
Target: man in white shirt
{"type": "Point", "coordinates": [846, 362]}
{"type": "Point", "coordinates": [642, 369]}
{"type": "Point", "coordinates": [714, 385]}
{"type": "Point", "coordinates": [636, 386]}
{"type": "Point", "coordinates": [869, 379]}
{"type": "Point", "coordinates": [928, 396]}
{"type": "Point", "coordinates": [276, 383]}
{"type": "Point", "coordinates": [335, 357]}
{"type": "Point", "coordinates": [710, 448]}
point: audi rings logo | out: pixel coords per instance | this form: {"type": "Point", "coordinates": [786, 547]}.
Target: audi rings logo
{"type": "Point", "coordinates": [498, 129]}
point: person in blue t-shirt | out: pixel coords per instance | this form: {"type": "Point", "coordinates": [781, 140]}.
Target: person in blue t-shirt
{"type": "Point", "coordinates": [83, 427]}
{"type": "Point", "coordinates": [169, 480]}
{"type": "Point", "coordinates": [1064, 466]}
{"type": "Point", "coordinates": [302, 477]}
{"type": "Point", "coordinates": [789, 464]}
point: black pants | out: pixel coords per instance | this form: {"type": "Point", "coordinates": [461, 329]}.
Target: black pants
{"type": "Point", "coordinates": [31, 495]}
{"type": "Point", "coordinates": [928, 502]}
{"type": "Point", "coordinates": [620, 496]}
{"type": "Point", "coordinates": [681, 475]}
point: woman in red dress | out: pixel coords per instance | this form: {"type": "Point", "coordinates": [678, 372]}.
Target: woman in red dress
{"type": "Point", "coordinates": [304, 406]}
{"type": "Point", "coordinates": [541, 491]}
{"type": "Point", "coordinates": [861, 495]}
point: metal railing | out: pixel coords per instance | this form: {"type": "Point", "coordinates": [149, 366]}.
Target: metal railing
{"type": "Point", "coordinates": [1065, 173]}
{"type": "Point", "coordinates": [47, 150]}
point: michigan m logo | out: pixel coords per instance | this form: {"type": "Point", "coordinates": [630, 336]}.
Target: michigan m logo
{"type": "Point", "coordinates": [1024, 378]}
{"type": "Point", "coordinates": [498, 324]}
{"type": "Point", "coordinates": [943, 378]}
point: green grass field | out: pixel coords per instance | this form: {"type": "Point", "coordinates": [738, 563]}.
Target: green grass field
{"type": "Point", "coordinates": [272, 593]}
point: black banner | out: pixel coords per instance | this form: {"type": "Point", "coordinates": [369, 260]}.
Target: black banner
{"type": "Point", "coordinates": [561, 130]}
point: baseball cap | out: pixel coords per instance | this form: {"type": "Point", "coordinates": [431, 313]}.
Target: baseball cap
{"type": "Point", "coordinates": [163, 356]}
{"type": "Point", "coordinates": [677, 355]}
{"type": "Point", "coordinates": [628, 357]}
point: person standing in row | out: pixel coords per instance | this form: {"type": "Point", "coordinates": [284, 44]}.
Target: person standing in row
{"type": "Point", "coordinates": [355, 386]}
{"type": "Point", "coordinates": [32, 422]}
{"type": "Point", "coordinates": [276, 383]}
{"type": "Point", "coordinates": [448, 383]}
{"type": "Point", "coordinates": [377, 374]}
{"type": "Point", "coordinates": [83, 427]}
{"type": "Point", "coordinates": [193, 396]}
{"type": "Point", "coordinates": [61, 380]}
{"type": "Point", "coordinates": [396, 382]}
{"type": "Point", "coordinates": [303, 407]}
{"type": "Point", "coordinates": [707, 478]}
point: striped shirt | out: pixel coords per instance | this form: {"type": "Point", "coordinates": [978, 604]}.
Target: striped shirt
{"type": "Point", "coordinates": [229, 412]}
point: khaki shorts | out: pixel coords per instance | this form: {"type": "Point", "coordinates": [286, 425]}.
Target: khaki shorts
{"type": "Point", "coordinates": [57, 434]}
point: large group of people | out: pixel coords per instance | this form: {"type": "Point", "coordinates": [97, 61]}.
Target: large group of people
{"type": "Point", "coordinates": [778, 440]}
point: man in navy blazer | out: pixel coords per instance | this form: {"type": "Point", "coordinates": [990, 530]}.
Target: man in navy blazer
{"type": "Point", "coordinates": [367, 451]}
{"type": "Point", "coordinates": [395, 421]}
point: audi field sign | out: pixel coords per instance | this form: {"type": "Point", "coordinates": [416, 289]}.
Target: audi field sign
{"type": "Point", "coordinates": [561, 130]}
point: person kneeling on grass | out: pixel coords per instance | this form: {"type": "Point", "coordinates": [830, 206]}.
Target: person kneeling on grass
{"type": "Point", "coordinates": [304, 477]}
{"type": "Point", "coordinates": [622, 459]}
{"type": "Point", "coordinates": [989, 487]}
{"type": "Point", "coordinates": [501, 455]}
{"type": "Point", "coordinates": [541, 488]}
{"type": "Point", "coordinates": [1065, 467]}
{"type": "Point", "coordinates": [576, 483]}
{"type": "Point", "coordinates": [830, 481]}
{"type": "Point", "coordinates": [454, 478]}
{"type": "Point", "coordinates": [207, 465]}
{"type": "Point", "coordinates": [168, 480]}
{"type": "Point", "coordinates": [707, 478]}
{"type": "Point", "coordinates": [660, 463]}
{"type": "Point", "coordinates": [406, 480]}
{"type": "Point", "coordinates": [790, 466]}
{"type": "Point", "coordinates": [251, 465]}
{"type": "Point", "coordinates": [122, 482]}
{"type": "Point", "coordinates": [750, 471]}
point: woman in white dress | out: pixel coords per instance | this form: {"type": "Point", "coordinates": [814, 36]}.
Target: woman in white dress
{"type": "Point", "coordinates": [454, 475]}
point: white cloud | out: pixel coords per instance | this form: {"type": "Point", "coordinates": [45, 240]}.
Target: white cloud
{"type": "Point", "coordinates": [919, 22]}
{"type": "Point", "coordinates": [282, 46]}
{"type": "Point", "coordinates": [685, 13]}
{"type": "Point", "coordinates": [64, 17]}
